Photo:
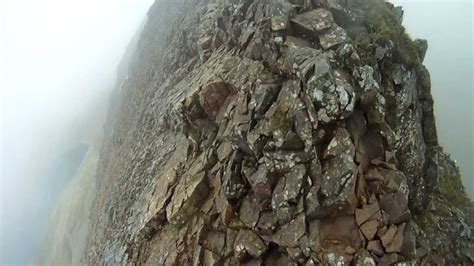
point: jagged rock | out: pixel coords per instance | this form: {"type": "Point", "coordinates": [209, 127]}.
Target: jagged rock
{"type": "Point", "coordinates": [288, 187]}
{"type": "Point", "coordinates": [392, 240]}
{"type": "Point", "coordinates": [261, 182]}
{"type": "Point", "coordinates": [249, 211]}
{"type": "Point", "coordinates": [267, 223]}
{"type": "Point", "coordinates": [304, 61]}
{"type": "Point", "coordinates": [339, 172]}
{"type": "Point", "coordinates": [292, 41]}
{"type": "Point", "coordinates": [283, 161]}
{"type": "Point", "coordinates": [397, 242]}
{"type": "Point", "coordinates": [189, 193]}
{"type": "Point", "coordinates": [281, 11]}
{"type": "Point", "coordinates": [331, 92]}
{"type": "Point", "coordinates": [234, 186]}
{"type": "Point", "coordinates": [213, 96]}
{"type": "Point", "coordinates": [313, 22]}
{"type": "Point", "coordinates": [375, 246]}
{"type": "Point", "coordinates": [367, 212]}
{"type": "Point", "coordinates": [422, 47]}
{"type": "Point", "coordinates": [396, 206]}
{"type": "Point", "coordinates": [334, 36]}
{"type": "Point", "coordinates": [263, 97]}
{"type": "Point", "coordinates": [369, 229]}
{"type": "Point", "coordinates": [289, 234]}
{"type": "Point", "coordinates": [248, 244]}
{"type": "Point", "coordinates": [335, 257]}
{"type": "Point", "coordinates": [214, 241]}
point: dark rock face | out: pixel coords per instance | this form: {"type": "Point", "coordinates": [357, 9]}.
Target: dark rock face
{"type": "Point", "coordinates": [279, 132]}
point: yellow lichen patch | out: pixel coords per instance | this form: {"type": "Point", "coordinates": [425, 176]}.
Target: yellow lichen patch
{"type": "Point", "coordinates": [279, 121]}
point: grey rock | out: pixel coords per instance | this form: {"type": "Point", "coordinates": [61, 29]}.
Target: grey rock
{"type": "Point", "coordinates": [314, 21]}
{"type": "Point", "coordinates": [422, 47]}
{"type": "Point", "coordinates": [334, 36]}
{"type": "Point", "coordinates": [288, 187]}
{"type": "Point", "coordinates": [281, 11]}
{"type": "Point", "coordinates": [249, 243]}
{"type": "Point", "coordinates": [289, 234]}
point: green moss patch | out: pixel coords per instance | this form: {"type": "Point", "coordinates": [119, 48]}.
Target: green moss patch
{"type": "Point", "coordinates": [279, 121]}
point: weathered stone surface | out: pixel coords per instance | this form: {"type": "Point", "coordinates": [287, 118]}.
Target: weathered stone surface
{"type": "Point", "coordinates": [249, 211]}
{"type": "Point", "coordinates": [367, 212]}
{"type": "Point", "coordinates": [339, 172]}
{"type": "Point", "coordinates": [189, 193]}
{"type": "Point", "coordinates": [341, 232]}
{"type": "Point", "coordinates": [375, 246]}
{"type": "Point", "coordinates": [369, 229]}
{"type": "Point", "coordinates": [334, 36]}
{"type": "Point", "coordinates": [213, 97]}
{"type": "Point", "coordinates": [289, 234]}
{"type": "Point", "coordinates": [422, 47]}
{"type": "Point", "coordinates": [248, 244]}
{"type": "Point", "coordinates": [281, 11]}
{"type": "Point", "coordinates": [395, 205]}
{"type": "Point", "coordinates": [331, 92]}
{"type": "Point", "coordinates": [314, 21]}
{"type": "Point", "coordinates": [288, 187]}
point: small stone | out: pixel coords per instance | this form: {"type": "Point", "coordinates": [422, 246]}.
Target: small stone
{"type": "Point", "coordinates": [389, 236]}
{"type": "Point", "coordinates": [397, 242]}
{"type": "Point", "coordinates": [375, 246]}
{"type": "Point", "coordinates": [369, 229]}
{"type": "Point", "coordinates": [367, 212]}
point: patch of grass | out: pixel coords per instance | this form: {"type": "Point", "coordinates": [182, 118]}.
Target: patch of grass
{"type": "Point", "coordinates": [383, 27]}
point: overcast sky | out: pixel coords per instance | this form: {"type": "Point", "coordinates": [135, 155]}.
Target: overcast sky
{"type": "Point", "coordinates": [57, 66]}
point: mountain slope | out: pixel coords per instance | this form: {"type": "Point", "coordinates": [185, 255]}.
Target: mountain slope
{"type": "Point", "coordinates": [277, 132]}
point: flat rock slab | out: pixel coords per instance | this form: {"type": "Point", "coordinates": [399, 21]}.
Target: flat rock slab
{"type": "Point", "coordinates": [314, 21]}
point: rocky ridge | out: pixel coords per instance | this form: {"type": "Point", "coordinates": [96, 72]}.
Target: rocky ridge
{"type": "Point", "coordinates": [277, 133]}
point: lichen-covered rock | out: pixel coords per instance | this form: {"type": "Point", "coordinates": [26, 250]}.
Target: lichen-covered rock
{"type": "Point", "coordinates": [314, 21]}
{"type": "Point", "coordinates": [288, 132]}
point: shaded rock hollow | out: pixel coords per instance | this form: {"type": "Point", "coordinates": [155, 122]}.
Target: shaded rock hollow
{"type": "Point", "coordinates": [286, 132]}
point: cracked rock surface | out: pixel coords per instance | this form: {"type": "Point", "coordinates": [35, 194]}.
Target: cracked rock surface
{"type": "Point", "coordinates": [286, 132]}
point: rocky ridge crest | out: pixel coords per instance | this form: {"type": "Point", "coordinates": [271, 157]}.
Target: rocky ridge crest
{"type": "Point", "coordinates": [277, 133]}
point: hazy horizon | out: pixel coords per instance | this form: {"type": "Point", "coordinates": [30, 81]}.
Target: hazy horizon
{"type": "Point", "coordinates": [59, 59]}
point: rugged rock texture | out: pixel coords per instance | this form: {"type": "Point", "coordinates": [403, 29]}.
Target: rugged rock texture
{"type": "Point", "coordinates": [277, 132]}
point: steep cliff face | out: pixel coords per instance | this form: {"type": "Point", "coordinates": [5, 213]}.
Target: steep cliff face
{"type": "Point", "coordinates": [277, 132]}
